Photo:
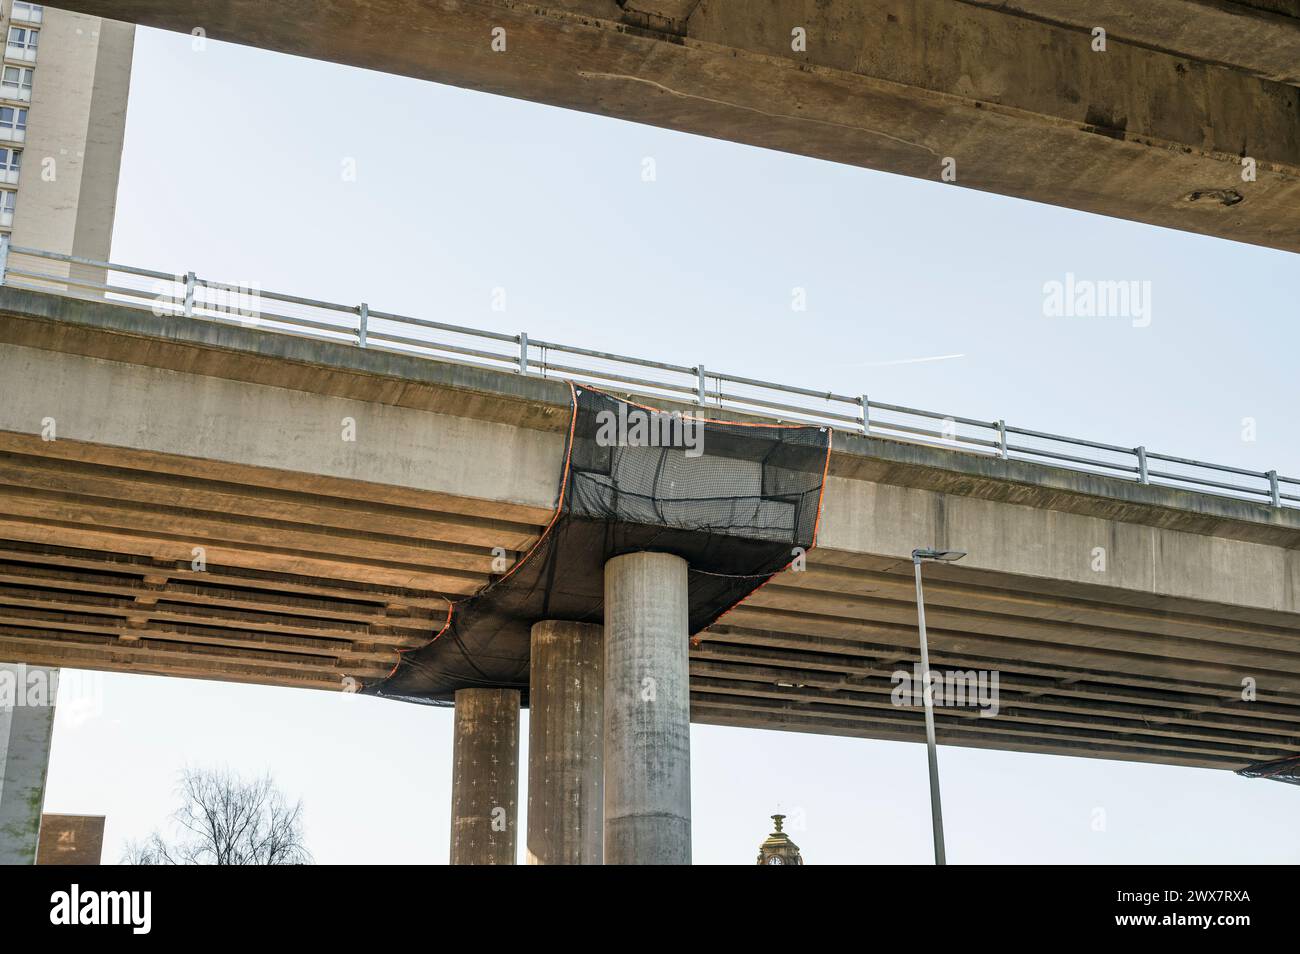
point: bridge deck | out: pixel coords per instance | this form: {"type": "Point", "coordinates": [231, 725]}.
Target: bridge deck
{"type": "Point", "coordinates": [308, 583]}
{"type": "Point", "coordinates": [1017, 93]}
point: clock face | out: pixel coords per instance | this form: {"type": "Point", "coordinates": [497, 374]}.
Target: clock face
{"type": "Point", "coordinates": [775, 860]}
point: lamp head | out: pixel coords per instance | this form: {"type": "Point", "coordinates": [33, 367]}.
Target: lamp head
{"type": "Point", "coordinates": [943, 556]}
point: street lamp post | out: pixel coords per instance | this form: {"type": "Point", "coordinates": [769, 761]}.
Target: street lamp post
{"type": "Point", "coordinates": [919, 556]}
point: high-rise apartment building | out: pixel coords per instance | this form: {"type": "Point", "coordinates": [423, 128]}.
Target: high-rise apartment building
{"type": "Point", "coordinates": [63, 91]}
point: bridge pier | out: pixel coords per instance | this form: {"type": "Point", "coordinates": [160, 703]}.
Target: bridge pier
{"type": "Point", "coordinates": [485, 777]}
{"type": "Point", "coordinates": [566, 744]}
{"type": "Point", "coordinates": [647, 711]}
{"type": "Point", "coordinates": [26, 730]}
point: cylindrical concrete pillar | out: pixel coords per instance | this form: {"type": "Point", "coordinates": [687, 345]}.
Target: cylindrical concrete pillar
{"type": "Point", "coordinates": [485, 777]}
{"type": "Point", "coordinates": [647, 711]}
{"type": "Point", "coordinates": [26, 729]}
{"type": "Point", "coordinates": [566, 739]}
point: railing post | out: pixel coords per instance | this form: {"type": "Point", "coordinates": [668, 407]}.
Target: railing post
{"type": "Point", "coordinates": [4, 257]}
{"type": "Point", "coordinates": [215, 301]}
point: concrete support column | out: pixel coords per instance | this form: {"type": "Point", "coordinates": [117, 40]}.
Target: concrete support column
{"type": "Point", "coordinates": [566, 741]}
{"type": "Point", "coordinates": [485, 777]}
{"type": "Point", "coordinates": [26, 729]}
{"type": "Point", "coordinates": [647, 711]}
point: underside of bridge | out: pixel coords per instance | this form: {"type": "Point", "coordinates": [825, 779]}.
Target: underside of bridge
{"type": "Point", "coordinates": [1185, 114]}
{"type": "Point", "coordinates": [120, 558]}
{"type": "Point", "coordinates": [314, 591]}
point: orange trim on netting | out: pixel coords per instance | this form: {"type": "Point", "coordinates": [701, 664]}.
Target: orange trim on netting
{"type": "Point", "coordinates": [559, 509]}
{"type": "Point", "coordinates": [559, 505]}
{"type": "Point", "coordinates": [564, 484]}
{"type": "Point", "coordinates": [401, 652]}
{"type": "Point", "coordinates": [821, 496]}
{"type": "Point", "coordinates": [1276, 766]}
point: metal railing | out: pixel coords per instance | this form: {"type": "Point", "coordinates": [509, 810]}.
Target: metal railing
{"type": "Point", "coordinates": [187, 296]}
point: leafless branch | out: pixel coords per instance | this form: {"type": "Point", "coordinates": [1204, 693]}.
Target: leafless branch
{"type": "Point", "coordinates": [227, 820]}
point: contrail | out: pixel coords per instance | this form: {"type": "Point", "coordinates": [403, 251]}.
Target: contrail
{"type": "Point", "coordinates": [881, 364]}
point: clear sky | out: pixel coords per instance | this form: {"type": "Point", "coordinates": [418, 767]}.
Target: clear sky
{"type": "Point", "coordinates": [234, 167]}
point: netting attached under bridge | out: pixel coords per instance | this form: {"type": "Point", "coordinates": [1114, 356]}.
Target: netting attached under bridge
{"type": "Point", "coordinates": [1279, 770]}
{"type": "Point", "coordinates": [738, 502]}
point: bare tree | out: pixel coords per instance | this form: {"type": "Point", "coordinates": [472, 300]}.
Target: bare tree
{"type": "Point", "coordinates": [225, 820]}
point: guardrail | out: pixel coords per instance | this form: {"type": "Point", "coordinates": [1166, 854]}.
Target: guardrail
{"type": "Point", "coordinates": [188, 296]}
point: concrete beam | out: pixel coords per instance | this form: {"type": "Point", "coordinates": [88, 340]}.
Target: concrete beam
{"type": "Point", "coordinates": [485, 777]}
{"type": "Point", "coordinates": [150, 409]}
{"type": "Point", "coordinates": [126, 336]}
{"type": "Point", "coordinates": [1094, 587]}
{"type": "Point", "coordinates": [1151, 129]}
{"type": "Point", "coordinates": [566, 744]}
{"type": "Point", "coordinates": [113, 332]}
{"type": "Point", "coordinates": [26, 730]}
{"type": "Point", "coordinates": [647, 711]}
{"type": "Point", "coordinates": [1069, 548]}
{"type": "Point", "coordinates": [1258, 37]}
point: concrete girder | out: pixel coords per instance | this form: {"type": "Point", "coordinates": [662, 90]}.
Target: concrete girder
{"type": "Point", "coordinates": [1154, 128]}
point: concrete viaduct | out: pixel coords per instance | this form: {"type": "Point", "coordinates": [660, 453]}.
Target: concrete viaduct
{"type": "Point", "coordinates": [320, 559]}
{"type": "Point", "coordinates": [323, 558]}
{"type": "Point", "coordinates": [1179, 113]}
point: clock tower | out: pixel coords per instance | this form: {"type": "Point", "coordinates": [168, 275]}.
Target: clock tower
{"type": "Point", "coordinates": [778, 849]}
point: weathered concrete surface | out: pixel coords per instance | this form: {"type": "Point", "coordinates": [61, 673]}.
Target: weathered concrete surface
{"type": "Point", "coordinates": [566, 744]}
{"type": "Point", "coordinates": [485, 777]}
{"type": "Point", "coordinates": [139, 408]}
{"type": "Point", "coordinates": [1259, 37]}
{"type": "Point", "coordinates": [26, 731]}
{"type": "Point", "coordinates": [647, 711]}
{"type": "Point", "coordinates": [1158, 541]}
{"type": "Point", "coordinates": [1126, 620]}
{"type": "Point", "coordinates": [866, 517]}
{"type": "Point", "coordinates": [1152, 129]}
{"type": "Point", "coordinates": [110, 331]}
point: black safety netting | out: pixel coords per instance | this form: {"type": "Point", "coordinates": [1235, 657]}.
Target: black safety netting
{"type": "Point", "coordinates": [738, 502]}
{"type": "Point", "coordinates": [1279, 770]}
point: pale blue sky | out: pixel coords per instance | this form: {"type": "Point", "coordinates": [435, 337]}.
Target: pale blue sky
{"type": "Point", "coordinates": [232, 168]}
